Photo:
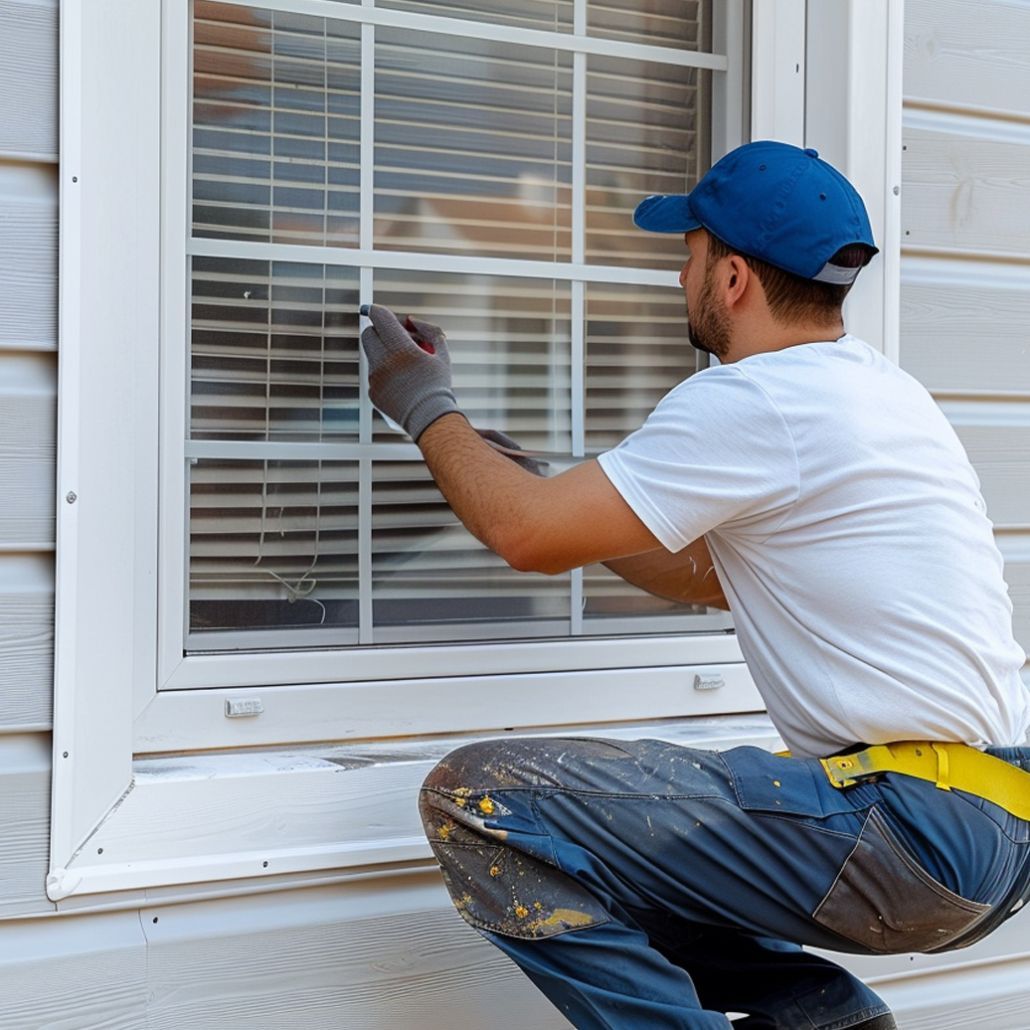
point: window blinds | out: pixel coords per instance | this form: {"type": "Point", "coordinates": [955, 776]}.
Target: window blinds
{"type": "Point", "coordinates": [311, 521]}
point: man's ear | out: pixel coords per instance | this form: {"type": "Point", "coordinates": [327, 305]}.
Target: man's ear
{"type": "Point", "coordinates": [736, 280]}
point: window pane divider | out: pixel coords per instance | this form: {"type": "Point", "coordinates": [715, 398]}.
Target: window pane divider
{"type": "Point", "coordinates": [365, 631]}
{"type": "Point", "coordinates": [283, 450]}
{"type": "Point", "coordinates": [418, 261]}
{"type": "Point", "coordinates": [367, 138]}
{"type": "Point", "coordinates": [576, 602]}
{"type": "Point", "coordinates": [577, 358]}
{"type": "Point", "coordinates": [579, 142]}
{"type": "Point", "coordinates": [567, 41]}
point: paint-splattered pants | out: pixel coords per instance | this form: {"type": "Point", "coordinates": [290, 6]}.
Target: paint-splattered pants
{"type": "Point", "coordinates": [645, 885]}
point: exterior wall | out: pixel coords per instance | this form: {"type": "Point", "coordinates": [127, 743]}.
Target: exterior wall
{"type": "Point", "coordinates": [28, 392]}
{"type": "Point", "coordinates": [965, 295]}
{"type": "Point", "coordinates": [386, 951]}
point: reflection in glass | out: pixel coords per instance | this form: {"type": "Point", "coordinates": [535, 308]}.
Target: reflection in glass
{"type": "Point", "coordinates": [276, 123]}
{"type": "Point", "coordinates": [548, 15]}
{"type": "Point", "coordinates": [274, 350]}
{"type": "Point", "coordinates": [647, 132]}
{"type": "Point", "coordinates": [473, 147]}
{"type": "Point", "coordinates": [431, 579]}
{"type": "Point", "coordinates": [683, 24]}
{"type": "Point", "coordinates": [273, 545]}
{"type": "Point", "coordinates": [636, 352]}
{"type": "Point", "coordinates": [509, 341]}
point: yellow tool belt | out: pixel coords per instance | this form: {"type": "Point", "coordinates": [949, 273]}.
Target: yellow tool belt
{"type": "Point", "coordinates": [949, 766]}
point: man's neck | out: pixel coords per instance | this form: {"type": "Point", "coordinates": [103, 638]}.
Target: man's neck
{"type": "Point", "coordinates": [777, 337]}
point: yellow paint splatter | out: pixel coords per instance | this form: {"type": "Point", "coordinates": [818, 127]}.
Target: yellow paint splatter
{"type": "Point", "coordinates": [776, 783]}
{"type": "Point", "coordinates": [566, 917]}
{"type": "Point", "coordinates": [521, 911]}
{"type": "Point", "coordinates": [486, 806]}
{"type": "Point", "coordinates": [445, 831]}
{"type": "Point", "coordinates": [538, 906]}
{"type": "Point", "coordinates": [495, 870]}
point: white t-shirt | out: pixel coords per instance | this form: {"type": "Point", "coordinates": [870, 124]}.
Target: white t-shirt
{"type": "Point", "coordinates": [850, 537]}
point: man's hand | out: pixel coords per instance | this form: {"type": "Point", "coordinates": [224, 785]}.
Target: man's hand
{"type": "Point", "coordinates": [409, 370]}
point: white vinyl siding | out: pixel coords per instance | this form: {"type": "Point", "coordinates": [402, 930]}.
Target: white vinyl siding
{"type": "Point", "coordinates": [965, 272]}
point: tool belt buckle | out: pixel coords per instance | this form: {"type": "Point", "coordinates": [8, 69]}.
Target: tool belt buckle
{"type": "Point", "coordinates": [842, 770]}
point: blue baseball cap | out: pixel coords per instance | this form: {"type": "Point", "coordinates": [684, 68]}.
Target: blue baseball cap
{"type": "Point", "coordinates": [774, 202]}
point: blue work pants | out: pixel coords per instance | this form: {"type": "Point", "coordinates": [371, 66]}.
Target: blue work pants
{"type": "Point", "coordinates": [640, 884]}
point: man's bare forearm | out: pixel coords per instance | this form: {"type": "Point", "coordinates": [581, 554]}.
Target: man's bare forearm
{"type": "Point", "coordinates": [489, 493]}
{"type": "Point", "coordinates": [688, 576]}
{"type": "Point", "coordinates": [535, 524]}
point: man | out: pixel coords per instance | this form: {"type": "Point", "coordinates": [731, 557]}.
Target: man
{"type": "Point", "coordinates": [817, 490]}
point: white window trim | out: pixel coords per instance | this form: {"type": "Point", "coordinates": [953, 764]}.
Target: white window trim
{"type": "Point", "coordinates": [107, 706]}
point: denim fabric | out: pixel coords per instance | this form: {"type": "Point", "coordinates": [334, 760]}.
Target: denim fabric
{"type": "Point", "coordinates": [642, 884]}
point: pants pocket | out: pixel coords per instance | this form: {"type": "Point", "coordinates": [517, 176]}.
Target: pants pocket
{"type": "Point", "coordinates": [883, 900]}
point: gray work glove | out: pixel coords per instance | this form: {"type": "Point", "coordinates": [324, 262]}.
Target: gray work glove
{"type": "Point", "coordinates": [408, 381]}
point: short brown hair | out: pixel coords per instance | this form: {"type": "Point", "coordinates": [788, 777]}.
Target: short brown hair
{"type": "Point", "coordinates": [792, 298]}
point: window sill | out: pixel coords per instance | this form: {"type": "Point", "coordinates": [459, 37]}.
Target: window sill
{"type": "Point", "coordinates": [214, 817]}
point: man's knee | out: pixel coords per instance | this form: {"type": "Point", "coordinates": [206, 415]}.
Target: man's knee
{"type": "Point", "coordinates": [496, 861]}
{"type": "Point", "coordinates": [506, 762]}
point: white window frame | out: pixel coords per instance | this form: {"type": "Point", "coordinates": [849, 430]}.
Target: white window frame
{"type": "Point", "coordinates": [386, 665]}
{"type": "Point", "coordinates": [123, 281]}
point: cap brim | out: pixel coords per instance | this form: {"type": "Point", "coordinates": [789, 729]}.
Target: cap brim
{"type": "Point", "coordinates": [665, 213]}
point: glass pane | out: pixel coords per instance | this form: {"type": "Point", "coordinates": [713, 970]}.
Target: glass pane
{"type": "Point", "coordinates": [273, 545]}
{"type": "Point", "coordinates": [509, 341]}
{"type": "Point", "coordinates": [636, 352]}
{"type": "Point", "coordinates": [431, 580]}
{"type": "Point", "coordinates": [274, 351]}
{"type": "Point", "coordinates": [548, 15]}
{"type": "Point", "coordinates": [472, 156]}
{"type": "Point", "coordinates": [473, 147]}
{"type": "Point", "coordinates": [683, 24]}
{"type": "Point", "coordinates": [647, 132]}
{"type": "Point", "coordinates": [276, 121]}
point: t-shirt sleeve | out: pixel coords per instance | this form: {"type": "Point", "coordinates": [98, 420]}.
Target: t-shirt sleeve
{"type": "Point", "coordinates": [716, 452]}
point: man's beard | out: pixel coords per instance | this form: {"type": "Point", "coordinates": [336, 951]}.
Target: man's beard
{"type": "Point", "coordinates": [708, 329]}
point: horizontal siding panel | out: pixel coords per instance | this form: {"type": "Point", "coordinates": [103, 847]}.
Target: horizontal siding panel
{"type": "Point", "coordinates": [965, 337]}
{"type": "Point", "coordinates": [965, 193]}
{"type": "Point", "coordinates": [74, 972]}
{"type": "Point", "coordinates": [1017, 575]}
{"type": "Point", "coordinates": [1001, 456]}
{"type": "Point", "coordinates": [378, 954]}
{"type": "Point", "coordinates": [28, 454]}
{"type": "Point", "coordinates": [968, 52]}
{"type": "Point", "coordinates": [25, 818]}
{"type": "Point", "coordinates": [28, 256]}
{"type": "Point", "coordinates": [378, 957]}
{"type": "Point", "coordinates": [26, 640]}
{"type": "Point", "coordinates": [28, 79]}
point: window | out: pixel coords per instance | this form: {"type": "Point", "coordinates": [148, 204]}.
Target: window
{"type": "Point", "coordinates": [484, 182]}
{"type": "Point", "coordinates": [227, 200]}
